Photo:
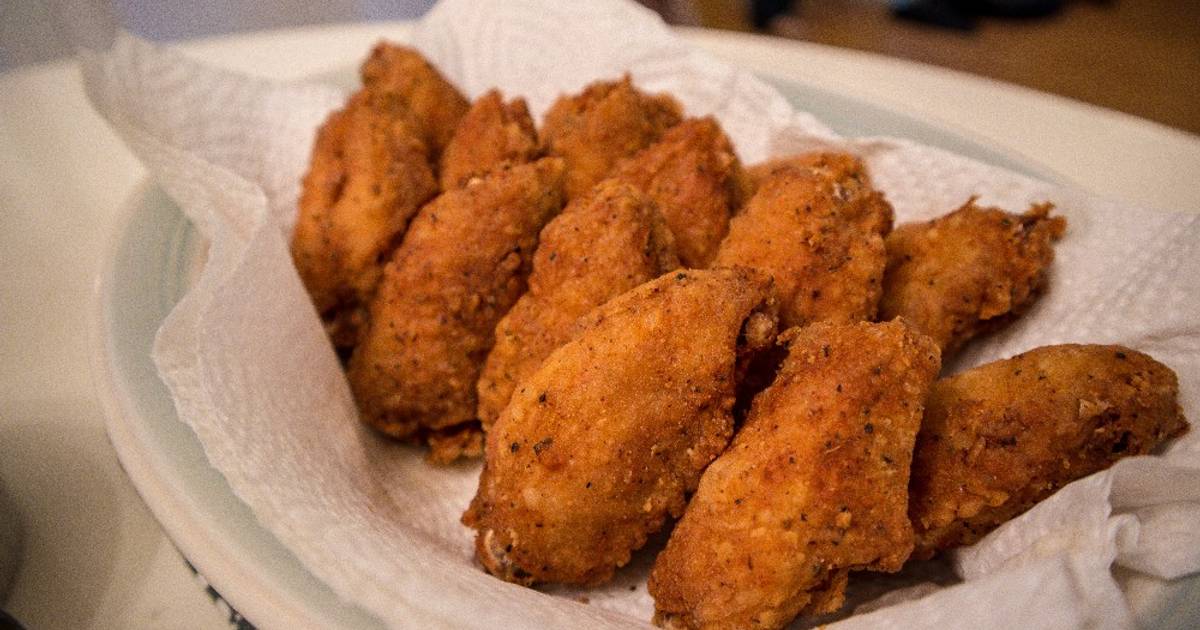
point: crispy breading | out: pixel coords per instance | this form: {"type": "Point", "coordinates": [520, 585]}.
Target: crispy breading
{"type": "Point", "coordinates": [969, 271]}
{"type": "Point", "coordinates": [402, 72]}
{"type": "Point", "coordinates": [369, 175]}
{"type": "Point", "coordinates": [814, 485]}
{"type": "Point", "coordinates": [756, 174]}
{"type": "Point", "coordinates": [608, 121]}
{"type": "Point", "coordinates": [599, 446]}
{"type": "Point", "coordinates": [834, 165]}
{"type": "Point", "coordinates": [602, 245]}
{"type": "Point", "coordinates": [863, 205]}
{"type": "Point", "coordinates": [999, 438]}
{"type": "Point", "coordinates": [462, 265]}
{"type": "Point", "coordinates": [694, 176]}
{"type": "Point", "coordinates": [818, 229]}
{"type": "Point", "coordinates": [463, 441]}
{"type": "Point", "coordinates": [491, 134]}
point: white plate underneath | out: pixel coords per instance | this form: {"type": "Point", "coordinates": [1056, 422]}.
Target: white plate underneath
{"type": "Point", "coordinates": [147, 269]}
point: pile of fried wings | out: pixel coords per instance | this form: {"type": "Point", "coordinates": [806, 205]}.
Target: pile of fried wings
{"type": "Point", "coordinates": [634, 329]}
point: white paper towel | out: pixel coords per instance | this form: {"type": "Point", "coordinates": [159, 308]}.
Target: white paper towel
{"type": "Point", "coordinates": [251, 372]}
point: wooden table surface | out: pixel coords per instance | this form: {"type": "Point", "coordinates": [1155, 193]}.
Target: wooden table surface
{"type": "Point", "coordinates": [1141, 57]}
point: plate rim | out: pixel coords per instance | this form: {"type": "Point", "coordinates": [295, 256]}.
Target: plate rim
{"type": "Point", "coordinates": [239, 582]}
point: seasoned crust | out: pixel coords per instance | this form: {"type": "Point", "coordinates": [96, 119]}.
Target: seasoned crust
{"type": "Point", "coordinates": [602, 245]}
{"type": "Point", "coordinates": [608, 121]}
{"type": "Point", "coordinates": [369, 175]}
{"type": "Point", "coordinates": [451, 444]}
{"type": "Point", "coordinates": [491, 134]}
{"type": "Point", "coordinates": [814, 485]}
{"type": "Point", "coordinates": [462, 265]}
{"type": "Point", "coordinates": [401, 72]}
{"type": "Point", "coordinates": [601, 445]}
{"type": "Point", "coordinates": [968, 272]}
{"type": "Point", "coordinates": [1001, 437]}
{"type": "Point", "coordinates": [849, 182]}
{"type": "Point", "coordinates": [694, 176]}
{"type": "Point", "coordinates": [818, 228]}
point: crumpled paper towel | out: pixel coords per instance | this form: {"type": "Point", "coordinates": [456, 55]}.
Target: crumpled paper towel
{"type": "Point", "coordinates": [252, 373]}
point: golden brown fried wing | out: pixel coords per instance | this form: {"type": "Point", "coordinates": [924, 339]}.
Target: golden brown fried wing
{"type": "Point", "coordinates": [608, 121]}
{"type": "Point", "coordinates": [491, 134]}
{"type": "Point", "coordinates": [602, 443]}
{"type": "Point", "coordinates": [695, 177]}
{"type": "Point", "coordinates": [838, 166]}
{"type": "Point", "coordinates": [969, 271]}
{"type": "Point", "coordinates": [461, 266]}
{"type": "Point", "coordinates": [1001, 437]}
{"type": "Point", "coordinates": [815, 484]}
{"type": "Point", "coordinates": [369, 175]}
{"type": "Point", "coordinates": [602, 245]}
{"type": "Point", "coordinates": [819, 231]}
{"type": "Point", "coordinates": [863, 205]}
{"type": "Point", "coordinates": [403, 73]}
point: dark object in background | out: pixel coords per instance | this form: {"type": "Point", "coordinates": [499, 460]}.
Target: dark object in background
{"type": "Point", "coordinates": [763, 11]}
{"type": "Point", "coordinates": [955, 14]}
{"type": "Point", "coordinates": [1012, 8]}
{"type": "Point", "coordinates": [960, 14]}
{"type": "Point", "coordinates": [8, 623]}
{"type": "Point", "coordinates": [944, 13]}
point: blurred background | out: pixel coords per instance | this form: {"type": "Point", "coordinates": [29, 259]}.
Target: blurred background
{"type": "Point", "coordinates": [1137, 56]}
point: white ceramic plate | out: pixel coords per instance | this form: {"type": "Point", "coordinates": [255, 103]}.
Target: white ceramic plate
{"type": "Point", "coordinates": [148, 267]}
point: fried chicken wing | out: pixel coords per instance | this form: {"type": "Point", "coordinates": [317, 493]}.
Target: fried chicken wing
{"type": "Point", "coordinates": [969, 271]}
{"type": "Point", "coordinates": [400, 72]}
{"type": "Point", "coordinates": [818, 229]}
{"type": "Point", "coordinates": [608, 121]}
{"type": "Point", "coordinates": [999, 438]}
{"type": "Point", "coordinates": [695, 177]}
{"type": "Point", "coordinates": [838, 166]}
{"type": "Point", "coordinates": [491, 134]}
{"type": "Point", "coordinates": [602, 245]}
{"type": "Point", "coordinates": [814, 485]}
{"type": "Point", "coordinates": [462, 265]}
{"type": "Point", "coordinates": [600, 445]}
{"type": "Point", "coordinates": [369, 175]}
